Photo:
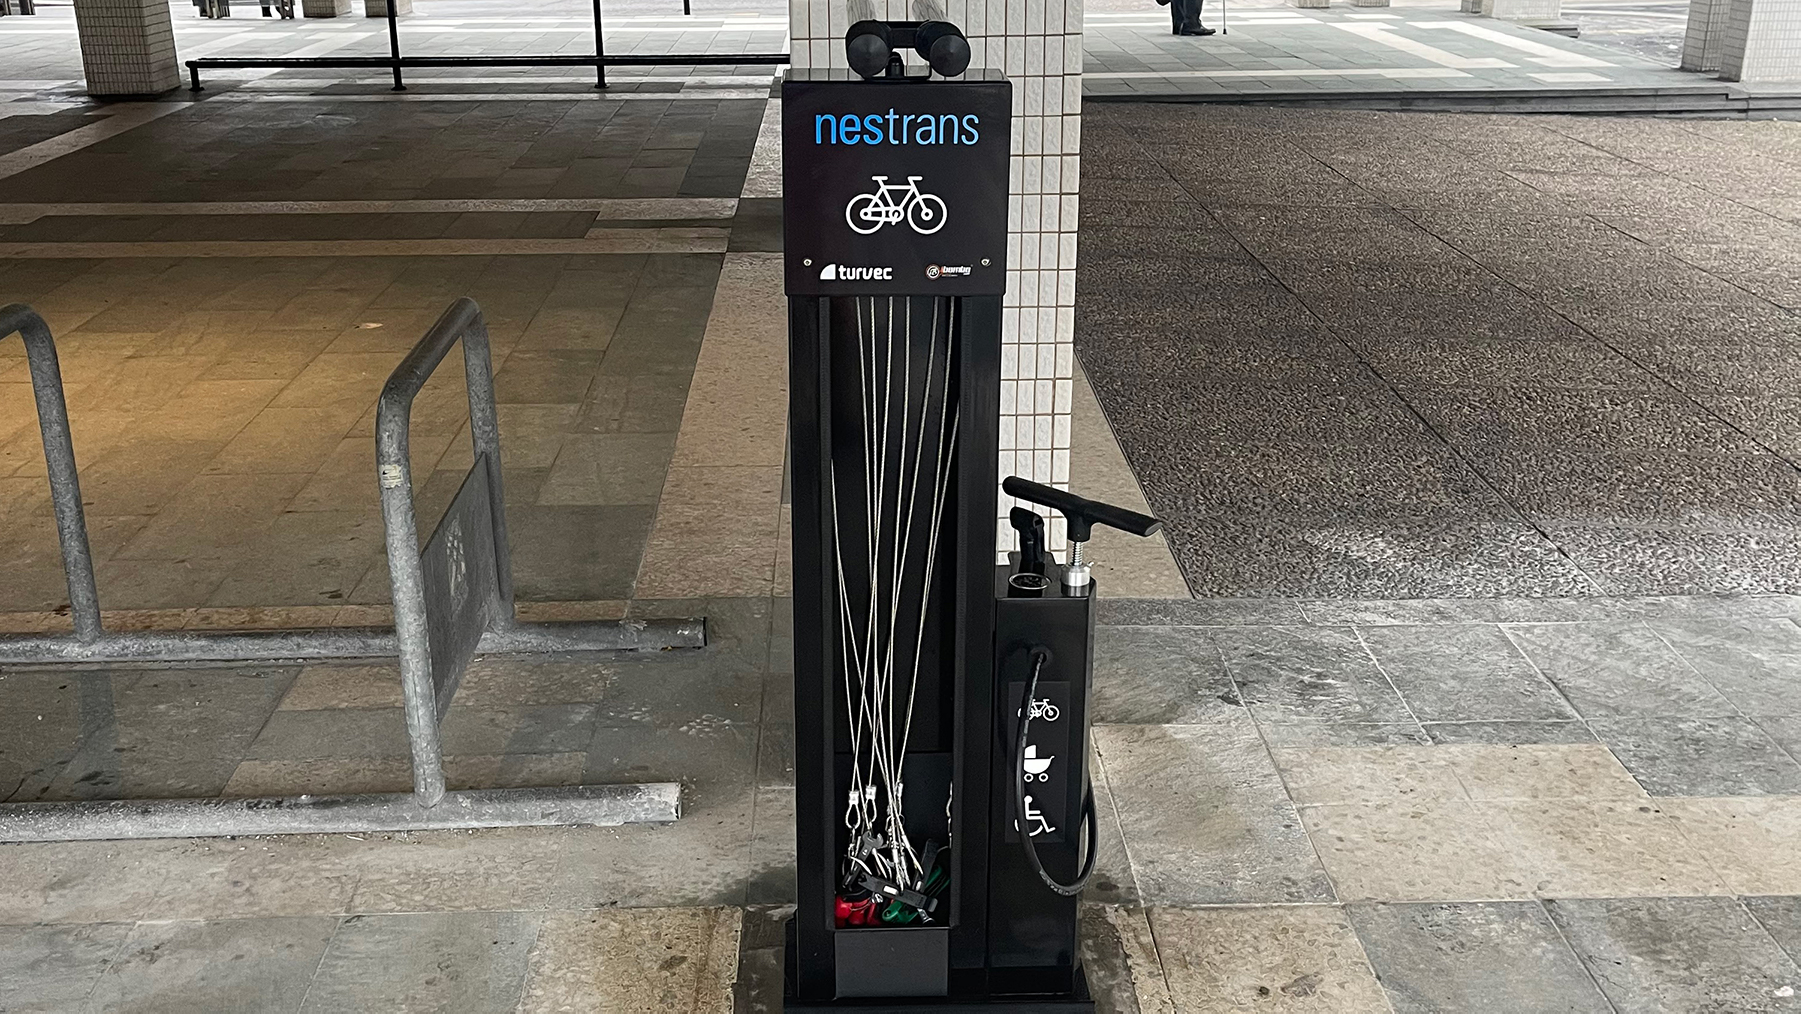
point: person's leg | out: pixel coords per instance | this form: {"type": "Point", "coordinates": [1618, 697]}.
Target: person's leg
{"type": "Point", "coordinates": [1190, 23]}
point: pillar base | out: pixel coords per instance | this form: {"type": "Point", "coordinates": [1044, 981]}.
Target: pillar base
{"type": "Point", "coordinates": [379, 8]}
{"type": "Point", "coordinates": [1548, 11]}
{"type": "Point", "coordinates": [324, 8]}
{"type": "Point", "coordinates": [127, 47]}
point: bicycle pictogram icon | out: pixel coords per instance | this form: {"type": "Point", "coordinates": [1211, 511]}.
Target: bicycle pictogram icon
{"type": "Point", "coordinates": [893, 203]}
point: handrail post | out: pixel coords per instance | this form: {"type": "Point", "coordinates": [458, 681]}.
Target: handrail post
{"type": "Point", "coordinates": [600, 50]}
{"type": "Point", "coordinates": [406, 571]}
{"type": "Point", "coordinates": [394, 46]}
{"type": "Point", "coordinates": [59, 462]}
{"type": "Point", "coordinates": [406, 566]}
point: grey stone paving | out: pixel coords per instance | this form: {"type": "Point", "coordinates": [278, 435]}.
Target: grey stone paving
{"type": "Point", "coordinates": [1438, 851]}
{"type": "Point", "coordinates": [1359, 354]}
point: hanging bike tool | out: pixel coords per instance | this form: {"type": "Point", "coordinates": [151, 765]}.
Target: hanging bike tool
{"type": "Point", "coordinates": [915, 885]}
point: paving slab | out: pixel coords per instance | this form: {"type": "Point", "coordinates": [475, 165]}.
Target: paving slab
{"type": "Point", "coordinates": [1205, 817]}
{"type": "Point", "coordinates": [1309, 673]}
{"type": "Point", "coordinates": [1679, 953]}
{"type": "Point", "coordinates": [1498, 956]}
{"type": "Point", "coordinates": [1159, 676]}
{"type": "Point", "coordinates": [1748, 839]}
{"type": "Point", "coordinates": [472, 961]}
{"type": "Point", "coordinates": [1618, 670]}
{"type": "Point", "coordinates": [1288, 958]}
{"type": "Point", "coordinates": [48, 967]}
{"type": "Point", "coordinates": [1701, 756]}
{"type": "Point", "coordinates": [1499, 684]}
{"type": "Point", "coordinates": [634, 960]}
{"type": "Point", "coordinates": [256, 964]}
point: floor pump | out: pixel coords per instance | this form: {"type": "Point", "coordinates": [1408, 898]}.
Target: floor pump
{"type": "Point", "coordinates": [945, 821]}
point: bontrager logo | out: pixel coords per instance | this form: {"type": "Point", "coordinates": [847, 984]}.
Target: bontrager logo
{"type": "Point", "coordinates": [846, 273]}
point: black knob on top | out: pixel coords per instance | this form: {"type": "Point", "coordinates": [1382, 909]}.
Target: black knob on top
{"type": "Point", "coordinates": [869, 45]}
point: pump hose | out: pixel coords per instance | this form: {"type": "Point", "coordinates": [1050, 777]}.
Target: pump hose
{"type": "Point", "coordinates": [1039, 657]}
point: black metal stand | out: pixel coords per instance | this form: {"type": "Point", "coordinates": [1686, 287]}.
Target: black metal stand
{"type": "Point", "coordinates": [867, 269]}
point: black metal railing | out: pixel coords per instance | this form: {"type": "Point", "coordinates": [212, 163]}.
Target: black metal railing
{"type": "Point", "coordinates": [396, 62]}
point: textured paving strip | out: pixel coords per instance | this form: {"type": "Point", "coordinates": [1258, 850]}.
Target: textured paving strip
{"type": "Point", "coordinates": [1332, 377]}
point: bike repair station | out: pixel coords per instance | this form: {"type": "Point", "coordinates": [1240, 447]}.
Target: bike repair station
{"type": "Point", "coordinates": [945, 819]}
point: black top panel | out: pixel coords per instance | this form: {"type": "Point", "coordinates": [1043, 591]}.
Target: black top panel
{"type": "Point", "coordinates": [934, 223]}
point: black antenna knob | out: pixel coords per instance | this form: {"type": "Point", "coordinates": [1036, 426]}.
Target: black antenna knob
{"type": "Point", "coordinates": [867, 48]}
{"type": "Point", "coordinates": [943, 46]}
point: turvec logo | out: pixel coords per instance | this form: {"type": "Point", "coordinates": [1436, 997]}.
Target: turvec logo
{"type": "Point", "coordinates": [847, 273]}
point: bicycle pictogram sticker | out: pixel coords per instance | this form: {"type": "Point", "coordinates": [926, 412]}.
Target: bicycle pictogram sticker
{"type": "Point", "coordinates": [892, 203]}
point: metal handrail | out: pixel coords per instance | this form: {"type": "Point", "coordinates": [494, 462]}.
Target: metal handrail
{"type": "Point", "coordinates": [59, 459]}
{"type": "Point", "coordinates": [393, 419]}
{"type": "Point", "coordinates": [428, 805]}
{"type": "Point", "coordinates": [92, 643]}
{"type": "Point", "coordinates": [599, 59]}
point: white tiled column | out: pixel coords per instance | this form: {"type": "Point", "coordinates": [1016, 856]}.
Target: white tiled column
{"type": "Point", "coordinates": [127, 46]}
{"type": "Point", "coordinates": [1522, 10]}
{"type": "Point", "coordinates": [1706, 34]}
{"type": "Point", "coordinates": [1762, 41]}
{"type": "Point", "coordinates": [1038, 45]}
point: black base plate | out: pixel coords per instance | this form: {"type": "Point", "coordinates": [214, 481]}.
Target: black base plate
{"type": "Point", "coordinates": [1079, 1003]}
{"type": "Point", "coordinates": [946, 1005]}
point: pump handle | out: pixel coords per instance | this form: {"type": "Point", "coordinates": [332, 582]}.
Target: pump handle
{"type": "Point", "coordinates": [1083, 514]}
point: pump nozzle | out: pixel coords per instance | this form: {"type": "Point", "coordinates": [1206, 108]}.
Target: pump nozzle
{"type": "Point", "coordinates": [1083, 514]}
{"type": "Point", "coordinates": [1030, 581]}
{"type": "Point", "coordinates": [1030, 526]}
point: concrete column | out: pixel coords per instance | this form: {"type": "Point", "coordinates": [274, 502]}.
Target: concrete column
{"type": "Point", "coordinates": [1762, 41]}
{"type": "Point", "coordinates": [379, 8]}
{"type": "Point", "coordinates": [1706, 34]}
{"type": "Point", "coordinates": [1522, 10]}
{"type": "Point", "coordinates": [324, 8]}
{"type": "Point", "coordinates": [1038, 45]}
{"type": "Point", "coordinates": [127, 46]}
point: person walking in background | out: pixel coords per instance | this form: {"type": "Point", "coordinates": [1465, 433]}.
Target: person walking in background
{"type": "Point", "coordinates": [1185, 17]}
